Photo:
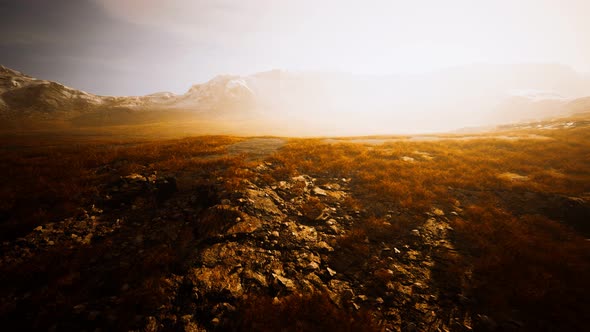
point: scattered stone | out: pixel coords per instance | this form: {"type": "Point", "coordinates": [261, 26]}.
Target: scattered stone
{"type": "Point", "coordinates": [438, 212]}
{"type": "Point", "coordinates": [407, 159]}
{"type": "Point", "coordinates": [288, 283]}
{"type": "Point", "coordinates": [331, 272]}
{"type": "Point", "coordinates": [319, 191]}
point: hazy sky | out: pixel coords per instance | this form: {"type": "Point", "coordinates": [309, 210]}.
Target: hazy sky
{"type": "Point", "coordinates": [142, 46]}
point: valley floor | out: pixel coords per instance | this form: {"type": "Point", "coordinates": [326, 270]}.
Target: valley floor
{"type": "Point", "coordinates": [230, 233]}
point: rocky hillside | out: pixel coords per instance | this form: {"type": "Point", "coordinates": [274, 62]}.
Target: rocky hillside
{"type": "Point", "coordinates": [28, 99]}
{"type": "Point", "coordinates": [23, 95]}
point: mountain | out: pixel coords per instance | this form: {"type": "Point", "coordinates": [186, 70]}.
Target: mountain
{"type": "Point", "coordinates": [29, 102]}
{"type": "Point", "coordinates": [530, 105]}
{"type": "Point", "coordinates": [23, 95]}
{"type": "Point", "coordinates": [222, 93]}
{"type": "Point", "coordinates": [313, 103]}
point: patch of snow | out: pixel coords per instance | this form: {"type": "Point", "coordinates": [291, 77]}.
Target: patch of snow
{"type": "Point", "coordinates": [537, 95]}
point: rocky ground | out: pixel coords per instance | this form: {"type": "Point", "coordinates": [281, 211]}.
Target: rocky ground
{"type": "Point", "coordinates": [268, 239]}
{"type": "Point", "coordinates": [155, 253]}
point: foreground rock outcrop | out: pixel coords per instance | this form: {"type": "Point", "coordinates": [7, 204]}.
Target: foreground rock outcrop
{"type": "Point", "coordinates": [273, 240]}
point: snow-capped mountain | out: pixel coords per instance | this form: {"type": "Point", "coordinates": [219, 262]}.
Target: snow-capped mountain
{"type": "Point", "coordinates": [22, 95]}
{"type": "Point", "coordinates": [319, 103]}
{"type": "Point", "coordinates": [224, 92]}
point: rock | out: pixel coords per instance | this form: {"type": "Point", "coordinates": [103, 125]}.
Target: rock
{"type": "Point", "coordinates": [336, 194]}
{"type": "Point", "coordinates": [246, 225]}
{"type": "Point", "coordinates": [415, 232]}
{"type": "Point", "coordinates": [331, 272]}
{"type": "Point", "coordinates": [135, 177]}
{"type": "Point", "coordinates": [407, 159]}
{"type": "Point", "coordinates": [313, 266]}
{"type": "Point", "coordinates": [335, 229]}
{"type": "Point", "coordinates": [286, 282]}
{"type": "Point", "coordinates": [305, 234]}
{"type": "Point", "coordinates": [220, 279]}
{"type": "Point", "coordinates": [319, 191]}
{"type": "Point", "coordinates": [438, 212]}
{"type": "Point", "coordinates": [255, 277]}
{"type": "Point", "coordinates": [261, 202]}
{"type": "Point", "coordinates": [324, 246]}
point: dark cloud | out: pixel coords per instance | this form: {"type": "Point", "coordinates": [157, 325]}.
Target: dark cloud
{"type": "Point", "coordinates": [77, 43]}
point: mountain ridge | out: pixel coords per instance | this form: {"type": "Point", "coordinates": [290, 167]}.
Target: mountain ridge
{"type": "Point", "coordinates": [318, 102]}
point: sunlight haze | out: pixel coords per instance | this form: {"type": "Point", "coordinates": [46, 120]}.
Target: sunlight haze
{"type": "Point", "coordinates": [315, 67]}
{"type": "Point", "coordinates": [133, 47]}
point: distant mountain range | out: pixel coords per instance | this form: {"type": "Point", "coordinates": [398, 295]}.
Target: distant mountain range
{"type": "Point", "coordinates": [317, 103]}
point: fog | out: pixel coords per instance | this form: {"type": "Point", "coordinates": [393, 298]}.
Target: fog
{"type": "Point", "coordinates": [451, 99]}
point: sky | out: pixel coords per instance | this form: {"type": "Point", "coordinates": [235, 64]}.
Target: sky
{"type": "Point", "coordinates": [136, 47]}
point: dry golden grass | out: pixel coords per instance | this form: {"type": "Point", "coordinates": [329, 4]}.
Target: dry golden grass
{"type": "Point", "coordinates": [530, 264]}
{"type": "Point", "coordinates": [521, 265]}
{"type": "Point", "coordinates": [310, 312]}
{"type": "Point", "coordinates": [43, 184]}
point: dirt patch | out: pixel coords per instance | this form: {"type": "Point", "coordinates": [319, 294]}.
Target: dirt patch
{"type": "Point", "coordinates": [256, 148]}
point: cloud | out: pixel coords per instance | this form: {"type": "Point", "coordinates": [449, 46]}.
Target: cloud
{"type": "Point", "coordinates": [220, 21]}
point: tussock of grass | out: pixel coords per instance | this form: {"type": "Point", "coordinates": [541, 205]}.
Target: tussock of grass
{"type": "Point", "coordinates": [311, 312]}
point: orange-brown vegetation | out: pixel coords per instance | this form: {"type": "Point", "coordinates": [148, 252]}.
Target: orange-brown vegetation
{"type": "Point", "coordinates": [310, 312]}
{"type": "Point", "coordinates": [530, 264]}
{"type": "Point", "coordinates": [516, 261]}
{"type": "Point", "coordinates": [43, 185]}
{"type": "Point", "coordinates": [312, 209]}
